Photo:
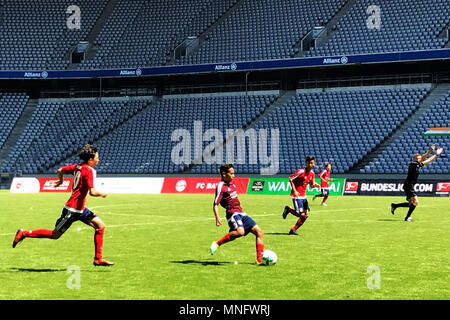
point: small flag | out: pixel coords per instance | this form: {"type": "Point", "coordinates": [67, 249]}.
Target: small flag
{"type": "Point", "coordinates": [437, 131]}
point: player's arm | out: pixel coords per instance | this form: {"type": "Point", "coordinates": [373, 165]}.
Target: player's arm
{"type": "Point", "coordinates": [217, 199]}
{"type": "Point", "coordinates": [426, 154]}
{"type": "Point", "coordinates": [294, 190]}
{"type": "Point", "coordinates": [216, 215]}
{"type": "Point", "coordinates": [322, 178]}
{"type": "Point", "coordinates": [313, 184]}
{"type": "Point", "coordinates": [434, 156]}
{"type": "Point", "coordinates": [60, 177]}
{"type": "Point", "coordinates": [95, 193]}
{"type": "Point", "coordinates": [90, 183]}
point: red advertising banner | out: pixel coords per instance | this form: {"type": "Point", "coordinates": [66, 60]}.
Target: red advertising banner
{"type": "Point", "coordinates": [47, 185]}
{"type": "Point", "coordinates": [199, 185]}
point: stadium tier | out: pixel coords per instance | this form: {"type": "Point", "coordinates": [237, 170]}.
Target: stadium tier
{"type": "Point", "coordinates": [35, 36]}
{"type": "Point", "coordinates": [172, 134]}
{"type": "Point", "coordinates": [142, 33]}
{"type": "Point", "coordinates": [144, 143]}
{"type": "Point", "coordinates": [56, 128]}
{"type": "Point", "coordinates": [262, 30]}
{"type": "Point", "coordinates": [339, 126]}
{"type": "Point", "coordinates": [396, 157]}
{"type": "Point", "coordinates": [403, 26]}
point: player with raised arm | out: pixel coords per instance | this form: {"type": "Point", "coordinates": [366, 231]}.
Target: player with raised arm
{"type": "Point", "coordinates": [299, 181]}
{"type": "Point", "coordinates": [418, 162]}
{"type": "Point", "coordinates": [74, 209]}
{"type": "Point", "coordinates": [239, 222]}
{"type": "Point", "coordinates": [324, 176]}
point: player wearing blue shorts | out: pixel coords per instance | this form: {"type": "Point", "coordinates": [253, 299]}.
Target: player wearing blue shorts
{"type": "Point", "coordinates": [239, 222]}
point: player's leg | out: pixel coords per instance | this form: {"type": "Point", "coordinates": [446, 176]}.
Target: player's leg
{"type": "Point", "coordinates": [325, 193]}
{"type": "Point", "coordinates": [413, 203]}
{"type": "Point", "coordinates": [409, 191]}
{"type": "Point", "coordinates": [89, 218]}
{"type": "Point", "coordinates": [236, 230]}
{"type": "Point", "coordinates": [294, 211]}
{"type": "Point", "coordinates": [303, 210]}
{"type": "Point", "coordinates": [62, 224]}
{"type": "Point", "coordinates": [299, 223]}
{"type": "Point", "coordinates": [319, 195]}
{"type": "Point", "coordinates": [259, 234]}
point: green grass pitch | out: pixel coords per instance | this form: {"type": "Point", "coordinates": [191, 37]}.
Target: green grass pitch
{"type": "Point", "coordinates": [160, 244]}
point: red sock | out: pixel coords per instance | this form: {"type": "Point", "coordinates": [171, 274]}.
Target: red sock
{"type": "Point", "coordinates": [299, 223]}
{"type": "Point", "coordinates": [224, 239]}
{"type": "Point", "coordinates": [324, 199]}
{"type": "Point", "coordinates": [259, 251]}
{"type": "Point", "coordinates": [39, 233]}
{"type": "Point", "coordinates": [98, 241]}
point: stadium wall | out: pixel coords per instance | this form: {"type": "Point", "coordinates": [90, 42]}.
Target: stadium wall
{"type": "Point", "coordinates": [244, 185]}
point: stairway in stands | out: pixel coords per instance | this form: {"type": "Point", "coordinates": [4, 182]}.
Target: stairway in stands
{"type": "Point", "coordinates": [434, 95]}
{"type": "Point", "coordinates": [18, 129]}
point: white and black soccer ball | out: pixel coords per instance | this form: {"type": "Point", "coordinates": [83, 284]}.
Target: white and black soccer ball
{"type": "Point", "coordinates": [269, 258]}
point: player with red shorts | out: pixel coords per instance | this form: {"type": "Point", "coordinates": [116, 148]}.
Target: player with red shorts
{"type": "Point", "coordinates": [239, 222]}
{"type": "Point", "coordinates": [299, 181]}
{"type": "Point", "coordinates": [324, 176]}
{"type": "Point", "coordinates": [74, 209]}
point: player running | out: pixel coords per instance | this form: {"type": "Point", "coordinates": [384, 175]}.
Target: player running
{"type": "Point", "coordinates": [74, 209]}
{"type": "Point", "coordinates": [324, 176]}
{"type": "Point", "coordinates": [411, 179]}
{"type": "Point", "coordinates": [299, 181]}
{"type": "Point", "coordinates": [239, 222]}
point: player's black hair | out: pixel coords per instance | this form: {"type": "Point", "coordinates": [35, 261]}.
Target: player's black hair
{"type": "Point", "coordinates": [326, 164]}
{"type": "Point", "coordinates": [225, 167]}
{"type": "Point", "coordinates": [309, 158]}
{"type": "Point", "coordinates": [87, 152]}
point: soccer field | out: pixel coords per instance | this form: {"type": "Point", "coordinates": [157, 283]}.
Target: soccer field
{"type": "Point", "coordinates": [352, 249]}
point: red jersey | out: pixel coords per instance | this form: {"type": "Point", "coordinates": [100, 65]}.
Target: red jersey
{"type": "Point", "coordinates": [301, 179]}
{"type": "Point", "coordinates": [324, 174]}
{"type": "Point", "coordinates": [83, 180]}
{"type": "Point", "coordinates": [226, 196]}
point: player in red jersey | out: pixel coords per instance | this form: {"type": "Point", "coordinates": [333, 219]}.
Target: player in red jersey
{"type": "Point", "coordinates": [299, 181]}
{"type": "Point", "coordinates": [324, 176]}
{"type": "Point", "coordinates": [239, 222]}
{"type": "Point", "coordinates": [74, 209]}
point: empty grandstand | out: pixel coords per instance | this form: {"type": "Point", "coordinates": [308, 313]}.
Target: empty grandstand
{"type": "Point", "coordinates": [367, 119]}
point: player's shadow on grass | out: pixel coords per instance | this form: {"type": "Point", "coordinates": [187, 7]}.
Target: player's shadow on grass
{"type": "Point", "coordinates": [37, 270]}
{"type": "Point", "coordinates": [277, 233]}
{"type": "Point", "coordinates": [203, 263]}
{"type": "Point", "coordinates": [48, 270]}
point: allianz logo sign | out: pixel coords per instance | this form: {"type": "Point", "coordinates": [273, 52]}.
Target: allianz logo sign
{"type": "Point", "coordinates": [221, 67]}
{"type": "Point", "coordinates": [136, 72]}
{"type": "Point", "coordinates": [42, 74]}
{"type": "Point", "coordinates": [342, 60]}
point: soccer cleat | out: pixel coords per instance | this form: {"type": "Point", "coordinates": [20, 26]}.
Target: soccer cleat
{"type": "Point", "coordinates": [213, 248]}
{"type": "Point", "coordinates": [315, 196]}
{"type": "Point", "coordinates": [392, 208]}
{"type": "Point", "coordinates": [408, 219]}
{"type": "Point", "coordinates": [292, 232]}
{"type": "Point", "coordinates": [324, 204]}
{"type": "Point", "coordinates": [102, 262]}
{"type": "Point", "coordinates": [285, 212]}
{"type": "Point", "coordinates": [18, 237]}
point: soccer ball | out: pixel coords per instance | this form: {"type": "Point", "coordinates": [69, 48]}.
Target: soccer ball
{"type": "Point", "coordinates": [269, 258]}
